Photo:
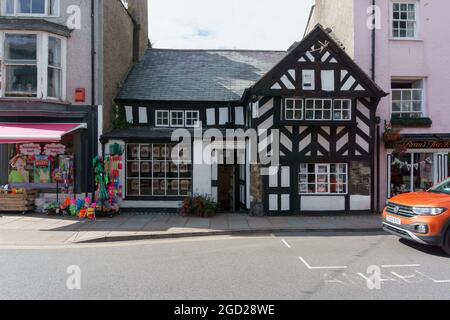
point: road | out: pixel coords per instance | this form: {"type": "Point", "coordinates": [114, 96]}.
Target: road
{"type": "Point", "coordinates": [283, 266]}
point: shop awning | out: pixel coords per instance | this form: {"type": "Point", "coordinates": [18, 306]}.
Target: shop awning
{"type": "Point", "coordinates": [36, 132]}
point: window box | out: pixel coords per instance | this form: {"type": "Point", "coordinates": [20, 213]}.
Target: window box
{"type": "Point", "coordinates": [412, 122]}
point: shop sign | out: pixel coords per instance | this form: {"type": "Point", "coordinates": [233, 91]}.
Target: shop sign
{"type": "Point", "coordinates": [30, 149]}
{"type": "Point", "coordinates": [54, 149]}
{"type": "Point", "coordinates": [424, 144]}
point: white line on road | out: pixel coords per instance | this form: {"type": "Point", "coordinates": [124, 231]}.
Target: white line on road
{"type": "Point", "coordinates": [287, 244]}
{"type": "Point", "coordinates": [324, 267]}
{"type": "Point", "coordinates": [400, 265]}
{"type": "Point", "coordinates": [435, 281]}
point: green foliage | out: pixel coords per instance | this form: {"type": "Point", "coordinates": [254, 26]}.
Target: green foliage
{"type": "Point", "coordinates": [199, 206]}
{"type": "Point", "coordinates": [120, 121]}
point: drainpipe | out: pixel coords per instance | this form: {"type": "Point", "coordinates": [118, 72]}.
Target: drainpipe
{"type": "Point", "coordinates": [93, 92]}
{"type": "Point", "coordinates": [378, 120]}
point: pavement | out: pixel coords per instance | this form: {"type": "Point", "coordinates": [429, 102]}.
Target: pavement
{"type": "Point", "coordinates": [39, 230]}
{"type": "Point", "coordinates": [293, 266]}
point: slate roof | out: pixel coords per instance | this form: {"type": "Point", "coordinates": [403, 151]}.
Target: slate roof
{"type": "Point", "coordinates": [197, 75]}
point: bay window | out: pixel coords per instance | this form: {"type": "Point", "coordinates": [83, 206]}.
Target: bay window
{"type": "Point", "coordinates": [33, 65]}
{"type": "Point", "coordinates": [30, 7]}
{"type": "Point", "coordinates": [323, 178]}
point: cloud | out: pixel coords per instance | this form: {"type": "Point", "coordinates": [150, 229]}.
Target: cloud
{"type": "Point", "coordinates": [231, 24]}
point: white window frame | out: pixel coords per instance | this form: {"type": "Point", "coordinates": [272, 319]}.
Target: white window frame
{"type": "Point", "coordinates": [415, 21]}
{"type": "Point", "coordinates": [18, 14]}
{"type": "Point", "coordinates": [42, 64]}
{"type": "Point", "coordinates": [341, 109]}
{"type": "Point", "coordinates": [328, 174]}
{"type": "Point", "coordinates": [315, 108]}
{"type": "Point", "coordinates": [196, 118]}
{"type": "Point", "coordinates": [168, 118]}
{"type": "Point", "coordinates": [167, 164]}
{"type": "Point", "coordinates": [172, 112]}
{"type": "Point", "coordinates": [294, 108]}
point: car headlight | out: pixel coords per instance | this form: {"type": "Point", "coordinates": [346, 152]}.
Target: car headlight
{"type": "Point", "coordinates": [429, 211]}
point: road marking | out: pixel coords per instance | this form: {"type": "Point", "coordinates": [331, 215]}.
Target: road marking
{"type": "Point", "coordinates": [435, 281]}
{"type": "Point", "coordinates": [400, 265]}
{"type": "Point", "coordinates": [287, 244]}
{"type": "Point", "coordinates": [324, 267]}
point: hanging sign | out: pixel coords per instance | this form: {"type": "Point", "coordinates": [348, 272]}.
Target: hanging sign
{"type": "Point", "coordinates": [30, 149]}
{"type": "Point", "coordinates": [54, 149]}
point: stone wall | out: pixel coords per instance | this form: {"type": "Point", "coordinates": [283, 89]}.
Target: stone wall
{"type": "Point", "coordinates": [256, 191]}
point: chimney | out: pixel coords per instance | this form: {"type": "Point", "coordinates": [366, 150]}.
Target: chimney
{"type": "Point", "coordinates": [139, 11]}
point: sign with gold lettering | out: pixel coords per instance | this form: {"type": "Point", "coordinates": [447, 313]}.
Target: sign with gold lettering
{"type": "Point", "coordinates": [422, 144]}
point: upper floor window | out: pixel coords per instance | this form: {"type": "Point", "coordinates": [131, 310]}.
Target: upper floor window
{"type": "Point", "coordinates": [293, 109]}
{"type": "Point", "coordinates": [177, 118]}
{"type": "Point", "coordinates": [408, 99]}
{"type": "Point", "coordinates": [318, 109]}
{"type": "Point", "coordinates": [30, 7]}
{"type": "Point", "coordinates": [33, 65]}
{"type": "Point", "coordinates": [404, 20]}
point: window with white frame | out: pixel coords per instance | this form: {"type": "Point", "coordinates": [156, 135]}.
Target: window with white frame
{"type": "Point", "coordinates": [408, 99]}
{"type": "Point", "coordinates": [342, 109]}
{"type": "Point", "coordinates": [30, 7]}
{"type": "Point", "coordinates": [177, 118]}
{"type": "Point", "coordinates": [404, 20]}
{"type": "Point", "coordinates": [54, 72]}
{"type": "Point", "coordinates": [21, 65]}
{"type": "Point", "coordinates": [33, 64]}
{"type": "Point", "coordinates": [158, 169]}
{"type": "Point", "coordinates": [162, 118]}
{"type": "Point", "coordinates": [318, 109]}
{"type": "Point", "coordinates": [323, 178]}
{"type": "Point", "coordinates": [293, 109]}
{"type": "Point", "coordinates": [192, 118]}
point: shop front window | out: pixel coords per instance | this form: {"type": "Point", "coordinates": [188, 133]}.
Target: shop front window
{"type": "Point", "coordinates": [152, 171]}
{"type": "Point", "coordinates": [411, 172]}
{"type": "Point", "coordinates": [42, 165]}
{"type": "Point", "coordinates": [323, 178]}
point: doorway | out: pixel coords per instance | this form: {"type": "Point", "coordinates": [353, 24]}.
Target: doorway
{"type": "Point", "coordinates": [228, 197]}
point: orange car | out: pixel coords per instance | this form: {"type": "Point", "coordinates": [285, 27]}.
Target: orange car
{"type": "Point", "coordinates": [423, 217]}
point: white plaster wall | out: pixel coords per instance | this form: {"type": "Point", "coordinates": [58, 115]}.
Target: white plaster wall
{"type": "Point", "coordinates": [201, 170]}
{"type": "Point", "coordinates": [358, 202]}
{"type": "Point", "coordinates": [316, 203]}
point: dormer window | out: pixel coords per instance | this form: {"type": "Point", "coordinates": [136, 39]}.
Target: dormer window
{"type": "Point", "coordinates": [30, 7]}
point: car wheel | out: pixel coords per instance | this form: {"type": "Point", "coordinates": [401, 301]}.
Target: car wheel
{"type": "Point", "coordinates": [446, 244]}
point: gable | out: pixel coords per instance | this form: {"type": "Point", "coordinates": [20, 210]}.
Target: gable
{"type": "Point", "coordinates": [317, 66]}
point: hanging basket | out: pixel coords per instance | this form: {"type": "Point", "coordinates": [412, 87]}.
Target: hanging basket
{"type": "Point", "coordinates": [392, 137]}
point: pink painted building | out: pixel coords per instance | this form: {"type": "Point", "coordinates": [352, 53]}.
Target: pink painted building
{"type": "Point", "coordinates": [408, 55]}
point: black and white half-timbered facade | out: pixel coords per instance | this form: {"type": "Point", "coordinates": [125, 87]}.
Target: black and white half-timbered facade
{"type": "Point", "coordinates": [312, 101]}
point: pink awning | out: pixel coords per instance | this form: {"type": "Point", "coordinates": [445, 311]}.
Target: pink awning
{"type": "Point", "coordinates": [36, 132]}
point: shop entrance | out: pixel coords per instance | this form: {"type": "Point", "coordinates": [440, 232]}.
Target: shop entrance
{"type": "Point", "coordinates": [228, 197]}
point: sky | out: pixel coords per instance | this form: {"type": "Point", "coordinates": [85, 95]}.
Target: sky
{"type": "Point", "coordinates": [227, 24]}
